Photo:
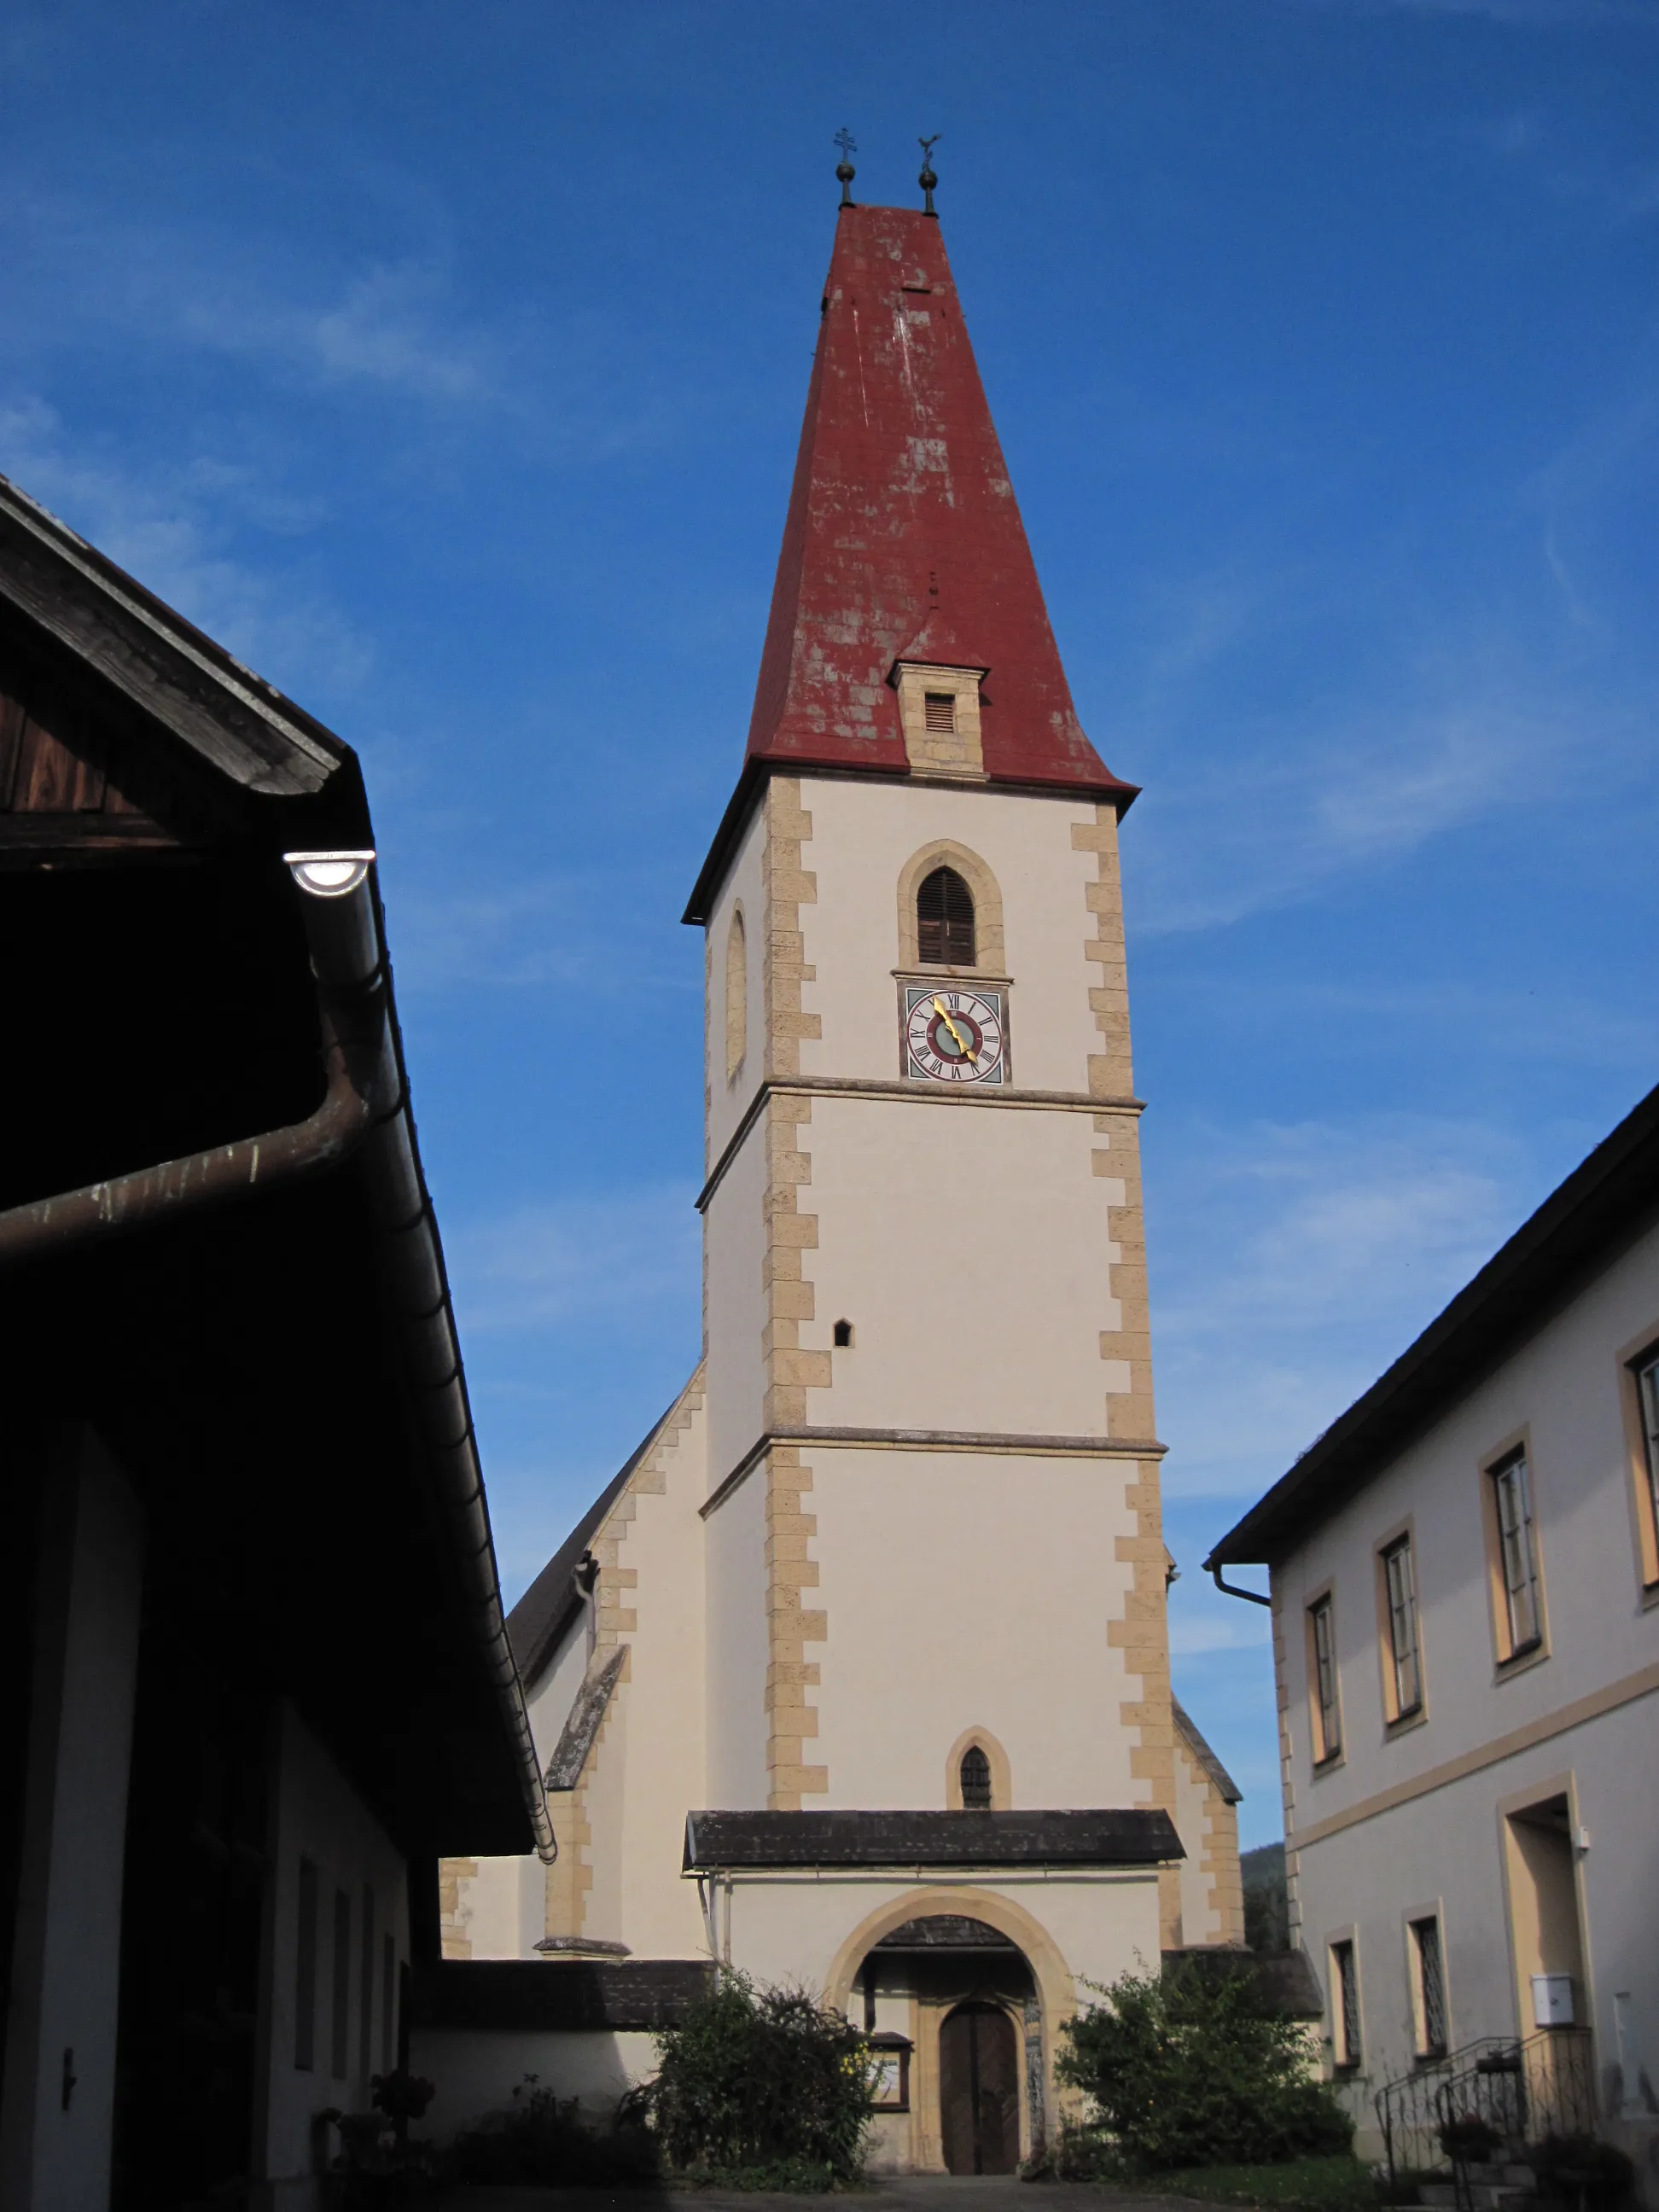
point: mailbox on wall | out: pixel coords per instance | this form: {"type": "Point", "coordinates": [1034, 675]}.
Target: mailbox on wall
{"type": "Point", "coordinates": [1552, 2001]}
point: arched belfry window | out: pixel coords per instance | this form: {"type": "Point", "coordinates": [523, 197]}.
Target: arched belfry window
{"type": "Point", "coordinates": [944, 920]}
{"type": "Point", "coordinates": [976, 1773]}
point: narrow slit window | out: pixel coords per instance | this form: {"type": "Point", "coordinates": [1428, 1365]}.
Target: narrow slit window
{"type": "Point", "coordinates": [938, 712]}
{"type": "Point", "coordinates": [1430, 1976]}
{"type": "Point", "coordinates": [1405, 1659]}
{"type": "Point", "coordinates": [388, 2003]}
{"type": "Point", "coordinates": [1345, 2004]}
{"type": "Point", "coordinates": [341, 2023]}
{"type": "Point", "coordinates": [1327, 1715]}
{"type": "Point", "coordinates": [843, 1336]}
{"type": "Point", "coordinates": [1518, 1553]}
{"type": "Point", "coordinates": [366, 1989]}
{"type": "Point", "coordinates": [975, 1780]}
{"type": "Point", "coordinates": [944, 920]}
{"type": "Point", "coordinates": [305, 1970]}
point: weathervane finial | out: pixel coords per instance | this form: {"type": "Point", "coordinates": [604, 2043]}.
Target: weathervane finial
{"type": "Point", "coordinates": [927, 180]}
{"type": "Point", "coordinates": [844, 169]}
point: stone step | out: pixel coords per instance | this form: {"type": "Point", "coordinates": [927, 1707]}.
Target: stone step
{"type": "Point", "coordinates": [1505, 2196]}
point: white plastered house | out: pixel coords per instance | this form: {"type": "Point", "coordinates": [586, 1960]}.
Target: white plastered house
{"type": "Point", "coordinates": [1465, 1587]}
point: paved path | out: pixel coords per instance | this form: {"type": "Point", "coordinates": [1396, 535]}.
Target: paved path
{"type": "Point", "coordinates": [918, 2192]}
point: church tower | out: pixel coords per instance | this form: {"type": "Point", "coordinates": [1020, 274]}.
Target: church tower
{"type": "Point", "coordinates": [857, 1675]}
{"type": "Point", "coordinates": [930, 1392]}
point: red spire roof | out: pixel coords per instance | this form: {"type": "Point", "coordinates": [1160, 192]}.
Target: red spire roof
{"type": "Point", "coordinates": [904, 540]}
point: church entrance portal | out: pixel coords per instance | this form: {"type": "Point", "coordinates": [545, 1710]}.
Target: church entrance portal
{"type": "Point", "coordinates": [979, 2090]}
{"type": "Point", "coordinates": [953, 2002]}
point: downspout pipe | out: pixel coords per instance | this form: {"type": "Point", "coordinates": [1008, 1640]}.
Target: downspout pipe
{"type": "Point", "coordinates": [365, 1107]}
{"type": "Point", "coordinates": [1234, 1590]}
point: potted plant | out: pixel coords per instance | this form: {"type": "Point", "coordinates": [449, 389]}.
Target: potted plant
{"type": "Point", "coordinates": [1467, 2140]}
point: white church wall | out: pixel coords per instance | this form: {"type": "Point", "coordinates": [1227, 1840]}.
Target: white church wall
{"type": "Point", "coordinates": [477, 2069]}
{"type": "Point", "coordinates": [735, 1565]}
{"type": "Point", "coordinates": [903, 1542]}
{"type": "Point", "coordinates": [501, 1910]}
{"type": "Point", "coordinates": [976, 1199]}
{"type": "Point", "coordinates": [735, 1310]}
{"type": "Point", "coordinates": [863, 833]}
{"type": "Point", "coordinates": [658, 1753]}
{"type": "Point", "coordinates": [729, 1098]}
{"type": "Point", "coordinates": [554, 1692]}
{"type": "Point", "coordinates": [319, 1817]}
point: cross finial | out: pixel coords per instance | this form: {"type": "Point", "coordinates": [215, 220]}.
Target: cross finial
{"type": "Point", "coordinates": [844, 169]}
{"type": "Point", "coordinates": [927, 180]}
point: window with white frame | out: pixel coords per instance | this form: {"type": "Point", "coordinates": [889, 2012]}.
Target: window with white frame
{"type": "Point", "coordinates": [1517, 1555]}
{"type": "Point", "coordinates": [1405, 1653]}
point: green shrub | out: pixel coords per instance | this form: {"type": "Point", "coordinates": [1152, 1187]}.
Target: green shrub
{"type": "Point", "coordinates": [1183, 2070]}
{"type": "Point", "coordinates": [542, 2138]}
{"type": "Point", "coordinates": [761, 2077]}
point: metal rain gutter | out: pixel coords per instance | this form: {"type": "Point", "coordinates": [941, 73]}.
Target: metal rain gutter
{"type": "Point", "coordinates": [365, 1107]}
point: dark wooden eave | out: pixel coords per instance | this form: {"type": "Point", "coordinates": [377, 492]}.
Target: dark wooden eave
{"type": "Point", "coordinates": [1597, 1212]}
{"type": "Point", "coordinates": [163, 665]}
{"type": "Point", "coordinates": [1108, 1837]}
{"type": "Point", "coordinates": [559, 1995]}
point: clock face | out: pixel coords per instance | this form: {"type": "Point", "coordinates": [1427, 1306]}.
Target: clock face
{"type": "Point", "coordinates": [953, 1035]}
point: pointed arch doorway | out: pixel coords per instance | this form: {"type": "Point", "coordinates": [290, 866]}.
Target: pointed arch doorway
{"type": "Point", "coordinates": [961, 1997]}
{"type": "Point", "coordinates": [978, 2089]}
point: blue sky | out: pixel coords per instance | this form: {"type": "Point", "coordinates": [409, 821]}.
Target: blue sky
{"type": "Point", "coordinates": [447, 363]}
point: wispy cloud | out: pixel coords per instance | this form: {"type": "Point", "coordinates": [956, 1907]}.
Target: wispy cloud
{"type": "Point", "coordinates": [1298, 807]}
{"type": "Point", "coordinates": [1194, 1634]}
{"type": "Point", "coordinates": [574, 929]}
{"type": "Point", "coordinates": [1545, 1026]}
{"type": "Point", "coordinates": [1301, 1262]}
{"type": "Point", "coordinates": [401, 327]}
{"type": "Point", "coordinates": [394, 323]}
{"type": "Point", "coordinates": [627, 1256]}
{"type": "Point", "coordinates": [169, 527]}
{"type": "Point", "coordinates": [395, 326]}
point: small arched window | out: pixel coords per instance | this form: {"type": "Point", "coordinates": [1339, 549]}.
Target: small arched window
{"type": "Point", "coordinates": [737, 995]}
{"type": "Point", "coordinates": [975, 1780]}
{"type": "Point", "coordinates": [944, 920]}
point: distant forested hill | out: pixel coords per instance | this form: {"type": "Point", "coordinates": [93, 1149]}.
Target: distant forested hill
{"type": "Point", "coordinates": [1266, 1924]}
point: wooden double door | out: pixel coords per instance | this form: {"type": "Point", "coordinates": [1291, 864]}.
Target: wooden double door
{"type": "Point", "coordinates": [979, 2090]}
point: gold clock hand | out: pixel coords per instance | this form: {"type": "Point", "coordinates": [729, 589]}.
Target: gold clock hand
{"type": "Point", "coordinates": [962, 1041]}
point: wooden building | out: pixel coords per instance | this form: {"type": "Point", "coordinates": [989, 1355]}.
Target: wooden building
{"type": "Point", "coordinates": [255, 1675]}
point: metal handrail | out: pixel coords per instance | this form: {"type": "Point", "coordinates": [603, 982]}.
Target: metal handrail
{"type": "Point", "coordinates": [1406, 2106]}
